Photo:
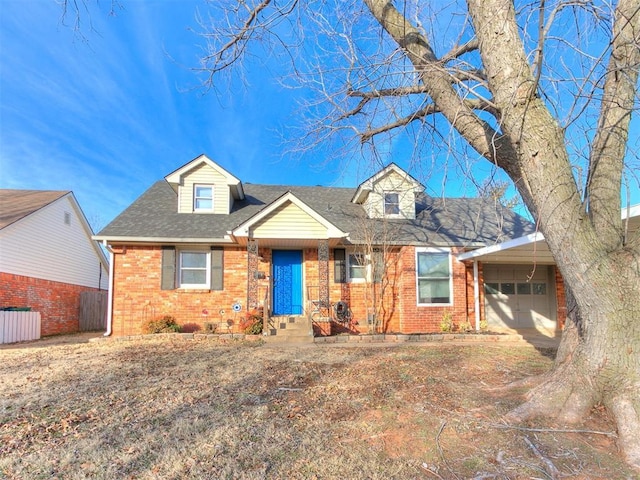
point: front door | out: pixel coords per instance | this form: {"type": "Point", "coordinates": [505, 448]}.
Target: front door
{"type": "Point", "coordinates": [287, 282]}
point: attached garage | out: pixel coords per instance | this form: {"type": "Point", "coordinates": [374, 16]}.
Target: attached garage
{"type": "Point", "coordinates": [515, 283]}
{"type": "Point", "coordinates": [520, 296]}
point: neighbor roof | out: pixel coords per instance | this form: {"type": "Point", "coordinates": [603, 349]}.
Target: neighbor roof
{"type": "Point", "coordinates": [17, 204]}
{"type": "Point", "coordinates": [471, 222]}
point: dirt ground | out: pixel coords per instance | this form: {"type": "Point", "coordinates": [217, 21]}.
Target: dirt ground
{"type": "Point", "coordinates": [167, 407]}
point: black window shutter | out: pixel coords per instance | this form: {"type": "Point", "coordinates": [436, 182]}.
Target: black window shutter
{"type": "Point", "coordinates": [339, 265]}
{"type": "Point", "coordinates": [217, 268]}
{"type": "Point", "coordinates": [168, 280]}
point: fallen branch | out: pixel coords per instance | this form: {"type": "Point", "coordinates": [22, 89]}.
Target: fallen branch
{"type": "Point", "coordinates": [550, 430]}
{"type": "Point", "coordinates": [550, 468]}
{"type": "Point", "coordinates": [444, 460]}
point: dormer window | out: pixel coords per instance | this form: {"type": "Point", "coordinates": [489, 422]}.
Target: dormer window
{"type": "Point", "coordinates": [203, 198]}
{"type": "Point", "coordinates": [391, 203]}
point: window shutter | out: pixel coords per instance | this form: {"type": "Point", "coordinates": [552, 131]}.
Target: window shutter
{"type": "Point", "coordinates": [168, 280]}
{"type": "Point", "coordinates": [339, 265]}
{"type": "Point", "coordinates": [217, 268]}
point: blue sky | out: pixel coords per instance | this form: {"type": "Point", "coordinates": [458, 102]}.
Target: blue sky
{"type": "Point", "coordinates": [108, 113]}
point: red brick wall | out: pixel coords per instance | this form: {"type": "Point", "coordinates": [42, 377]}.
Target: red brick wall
{"type": "Point", "coordinates": [471, 306]}
{"type": "Point", "coordinates": [561, 300]}
{"type": "Point", "coordinates": [58, 303]}
{"type": "Point", "coordinates": [137, 296]}
{"type": "Point", "coordinates": [427, 319]}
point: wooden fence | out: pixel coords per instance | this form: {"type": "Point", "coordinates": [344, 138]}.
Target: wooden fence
{"type": "Point", "coordinates": [19, 326]}
{"type": "Point", "coordinates": [93, 311]}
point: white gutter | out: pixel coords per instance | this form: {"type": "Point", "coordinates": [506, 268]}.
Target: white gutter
{"type": "Point", "coordinates": [499, 247]}
{"type": "Point", "coordinates": [112, 258]}
{"type": "Point", "coordinates": [156, 240]}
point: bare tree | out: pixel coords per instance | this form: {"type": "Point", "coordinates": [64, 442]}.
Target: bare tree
{"type": "Point", "coordinates": [516, 84]}
{"type": "Point", "coordinates": [543, 90]}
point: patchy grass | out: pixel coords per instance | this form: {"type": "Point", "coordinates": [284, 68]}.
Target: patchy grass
{"type": "Point", "coordinates": [173, 408]}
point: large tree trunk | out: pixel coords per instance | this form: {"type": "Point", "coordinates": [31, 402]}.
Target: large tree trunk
{"type": "Point", "coordinates": [599, 356]}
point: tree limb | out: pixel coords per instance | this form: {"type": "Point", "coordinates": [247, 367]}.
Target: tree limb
{"type": "Point", "coordinates": [480, 135]}
{"type": "Point", "coordinates": [419, 114]}
{"type": "Point", "coordinates": [460, 50]}
{"type": "Point", "coordinates": [609, 145]}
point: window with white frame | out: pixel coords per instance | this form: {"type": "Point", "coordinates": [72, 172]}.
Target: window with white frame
{"type": "Point", "coordinates": [433, 276]}
{"type": "Point", "coordinates": [391, 203]}
{"type": "Point", "coordinates": [203, 198]}
{"type": "Point", "coordinates": [357, 266]}
{"type": "Point", "coordinates": [195, 269]}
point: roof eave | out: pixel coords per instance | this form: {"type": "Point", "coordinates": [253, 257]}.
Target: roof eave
{"type": "Point", "coordinates": [164, 240]}
{"type": "Point", "coordinates": [500, 247]}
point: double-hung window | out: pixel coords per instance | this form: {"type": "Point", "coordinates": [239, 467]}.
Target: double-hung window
{"type": "Point", "coordinates": [203, 198]}
{"type": "Point", "coordinates": [433, 274]}
{"type": "Point", "coordinates": [195, 269]}
{"type": "Point", "coordinates": [391, 203]}
{"type": "Point", "coordinates": [358, 267]}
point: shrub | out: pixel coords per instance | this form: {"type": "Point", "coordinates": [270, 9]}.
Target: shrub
{"type": "Point", "coordinates": [252, 323]}
{"type": "Point", "coordinates": [190, 328]}
{"type": "Point", "coordinates": [165, 324]}
{"type": "Point", "coordinates": [446, 324]}
{"type": "Point", "coordinates": [464, 327]}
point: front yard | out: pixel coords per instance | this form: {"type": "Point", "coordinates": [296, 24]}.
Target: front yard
{"type": "Point", "coordinates": [171, 408]}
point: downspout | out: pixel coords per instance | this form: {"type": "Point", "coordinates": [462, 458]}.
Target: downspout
{"type": "Point", "coordinates": [476, 294]}
{"type": "Point", "coordinates": [112, 258]}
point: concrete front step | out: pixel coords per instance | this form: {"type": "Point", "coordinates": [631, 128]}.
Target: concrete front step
{"type": "Point", "coordinates": [290, 329]}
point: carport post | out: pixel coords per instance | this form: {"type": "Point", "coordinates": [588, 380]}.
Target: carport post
{"type": "Point", "coordinates": [476, 294]}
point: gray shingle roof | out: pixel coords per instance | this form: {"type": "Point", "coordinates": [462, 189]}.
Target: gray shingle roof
{"type": "Point", "coordinates": [439, 221]}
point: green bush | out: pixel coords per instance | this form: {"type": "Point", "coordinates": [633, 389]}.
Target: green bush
{"type": "Point", "coordinates": [165, 324]}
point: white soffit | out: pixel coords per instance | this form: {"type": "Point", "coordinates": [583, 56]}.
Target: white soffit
{"type": "Point", "coordinates": [531, 248]}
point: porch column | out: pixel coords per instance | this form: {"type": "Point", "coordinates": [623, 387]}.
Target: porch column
{"type": "Point", "coordinates": [476, 294]}
{"type": "Point", "coordinates": [323, 271]}
{"type": "Point", "coordinates": [252, 278]}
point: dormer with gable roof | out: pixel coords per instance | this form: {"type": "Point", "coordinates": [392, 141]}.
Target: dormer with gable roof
{"type": "Point", "coordinates": [390, 193]}
{"type": "Point", "coordinates": [205, 187]}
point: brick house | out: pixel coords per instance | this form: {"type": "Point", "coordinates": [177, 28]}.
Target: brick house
{"type": "Point", "coordinates": [205, 248]}
{"type": "Point", "coordinates": [47, 257]}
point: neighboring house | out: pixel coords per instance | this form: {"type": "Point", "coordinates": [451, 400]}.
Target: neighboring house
{"type": "Point", "coordinates": [47, 257]}
{"type": "Point", "coordinates": [200, 241]}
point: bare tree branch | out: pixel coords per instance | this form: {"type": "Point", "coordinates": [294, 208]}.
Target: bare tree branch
{"type": "Point", "coordinates": [610, 143]}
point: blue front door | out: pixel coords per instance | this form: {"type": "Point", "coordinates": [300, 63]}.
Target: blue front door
{"type": "Point", "coordinates": [287, 282]}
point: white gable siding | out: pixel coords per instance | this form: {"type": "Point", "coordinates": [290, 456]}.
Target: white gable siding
{"type": "Point", "coordinates": [289, 221]}
{"type": "Point", "coordinates": [204, 175]}
{"type": "Point", "coordinates": [393, 182]}
{"type": "Point", "coordinates": [41, 245]}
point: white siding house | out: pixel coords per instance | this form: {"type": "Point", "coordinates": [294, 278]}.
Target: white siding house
{"type": "Point", "coordinates": [47, 257]}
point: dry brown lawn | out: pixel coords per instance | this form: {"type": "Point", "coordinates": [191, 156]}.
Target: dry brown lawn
{"type": "Point", "coordinates": [171, 408]}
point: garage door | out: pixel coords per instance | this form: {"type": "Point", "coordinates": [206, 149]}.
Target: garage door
{"type": "Point", "coordinates": [519, 296]}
